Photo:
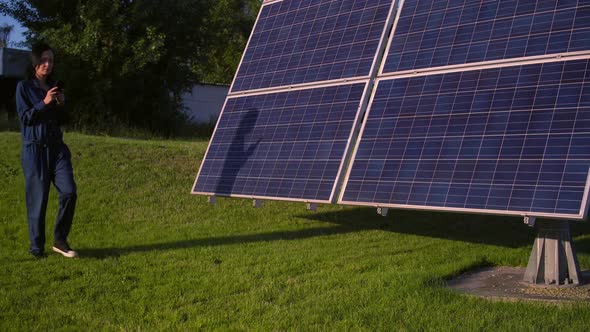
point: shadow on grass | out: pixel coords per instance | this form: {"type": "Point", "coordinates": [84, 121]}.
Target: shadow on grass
{"type": "Point", "coordinates": [217, 241]}
{"type": "Point", "coordinates": [474, 228]}
{"type": "Point", "coordinates": [485, 229]}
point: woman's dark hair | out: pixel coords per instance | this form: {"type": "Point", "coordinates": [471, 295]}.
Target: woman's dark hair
{"type": "Point", "coordinates": [36, 53]}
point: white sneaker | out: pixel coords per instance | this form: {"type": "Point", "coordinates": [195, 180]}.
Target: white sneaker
{"type": "Point", "coordinates": [64, 249]}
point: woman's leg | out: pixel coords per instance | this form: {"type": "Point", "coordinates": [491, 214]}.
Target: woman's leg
{"type": "Point", "coordinates": [66, 188]}
{"type": "Point", "coordinates": [37, 179]}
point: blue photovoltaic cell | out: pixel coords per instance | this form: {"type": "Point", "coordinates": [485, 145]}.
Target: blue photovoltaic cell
{"type": "Point", "coordinates": [438, 33]}
{"type": "Point", "coordinates": [312, 40]}
{"type": "Point", "coordinates": [282, 145]}
{"type": "Point", "coordinates": [510, 139]}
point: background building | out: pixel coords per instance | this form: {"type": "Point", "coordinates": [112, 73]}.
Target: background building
{"type": "Point", "coordinates": [13, 66]}
{"type": "Point", "coordinates": [203, 104]}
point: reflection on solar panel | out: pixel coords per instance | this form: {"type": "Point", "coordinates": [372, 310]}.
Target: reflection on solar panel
{"type": "Point", "coordinates": [286, 144]}
{"type": "Point", "coordinates": [309, 41]}
{"type": "Point", "coordinates": [504, 140]}
{"type": "Point", "coordinates": [433, 33]}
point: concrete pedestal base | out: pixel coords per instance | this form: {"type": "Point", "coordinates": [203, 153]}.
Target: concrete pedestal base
{"type": "Point", "coordinates": [553, 260]}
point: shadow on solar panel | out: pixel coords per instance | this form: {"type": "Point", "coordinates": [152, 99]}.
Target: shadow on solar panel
{"type": "Point", "coordinates": [239, 151]}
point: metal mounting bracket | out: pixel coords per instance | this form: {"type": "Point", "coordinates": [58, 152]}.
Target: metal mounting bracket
{"type": "Point", "coordinates": [257, 203]}
{"type": "Point", "coordinates": [211, 199]}
{"type": "Point", "coordinates": [312, 206]}
{"type": "Point", "coordinates": [382, 211]}
{"type": "Point", "coordinates": [530, 221]}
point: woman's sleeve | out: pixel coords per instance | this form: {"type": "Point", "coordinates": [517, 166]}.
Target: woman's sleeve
{"type": "Point", "coordinates": [28, 113]}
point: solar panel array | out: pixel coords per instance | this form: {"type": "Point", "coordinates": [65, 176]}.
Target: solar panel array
{"type": "Point", "coordinates": [479, 106]}
{"type": "Point", "coordinates": [439, 33]}
{"type": "Point", "coordinates": [285, 129]}
{"type": "Point", "coordinates": [297, 42]}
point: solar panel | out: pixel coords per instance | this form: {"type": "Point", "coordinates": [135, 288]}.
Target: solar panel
{"type": "Point", "coordinates": [288, 144]}
{"type": "Point", "coordinates": [297, 42]}
{"type": "Point", "coordinates": [510, 140]}
{"type": "Point", "coordinates": [439, 33]}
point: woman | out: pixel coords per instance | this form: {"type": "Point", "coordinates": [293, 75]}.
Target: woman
{"type": "Point", "coordinates": [45, 157]}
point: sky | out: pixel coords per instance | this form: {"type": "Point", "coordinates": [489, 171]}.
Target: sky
{"type": "Point", "coordinates": [17, 31]}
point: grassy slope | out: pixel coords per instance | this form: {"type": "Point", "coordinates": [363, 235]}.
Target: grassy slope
{"type": "Point", "coordinates": [155, 257]}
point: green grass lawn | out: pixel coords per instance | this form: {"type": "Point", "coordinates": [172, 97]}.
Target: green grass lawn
{"type": "Point", "coordinates": [154, 257]}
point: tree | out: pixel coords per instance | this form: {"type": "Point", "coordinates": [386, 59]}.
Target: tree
{"type": "Point", "coordinates": [5, 31]}
{"type": "Point", "coordinates": [126, 62]}
{"type": "Point", "coordinates": [232, 22]}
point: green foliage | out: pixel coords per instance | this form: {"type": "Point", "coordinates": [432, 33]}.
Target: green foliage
{"type": "Point", "coordinates": [223, 49]}
{"type": "Point", "coordinates": [155, 258]}
{"type": "Point", "coordinates": [126, 63]}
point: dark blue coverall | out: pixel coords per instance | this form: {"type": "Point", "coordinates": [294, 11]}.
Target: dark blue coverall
{"type": "Point", "coordinates": [45, 159]}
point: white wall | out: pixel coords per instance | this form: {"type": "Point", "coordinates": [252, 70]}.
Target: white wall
{"type": "Point", "coordinates": [203, 104]}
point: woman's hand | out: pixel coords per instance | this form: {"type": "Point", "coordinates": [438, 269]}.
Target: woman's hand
{"type": "Point", "coordinates": [51, 95]}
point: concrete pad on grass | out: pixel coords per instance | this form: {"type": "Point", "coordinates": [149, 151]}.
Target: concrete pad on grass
{"type": "Point", "coordinates": [506, 283]}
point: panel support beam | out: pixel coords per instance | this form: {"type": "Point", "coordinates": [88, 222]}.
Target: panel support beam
{"type": "Point", "coordinates": [553, 260]}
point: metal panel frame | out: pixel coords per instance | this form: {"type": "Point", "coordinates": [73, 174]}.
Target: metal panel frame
{"type": "Point", "coordinates": [579, 55]}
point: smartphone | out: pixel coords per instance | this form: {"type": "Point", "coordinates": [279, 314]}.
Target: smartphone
{"type": "Point", "coordinates": [59, 85]}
